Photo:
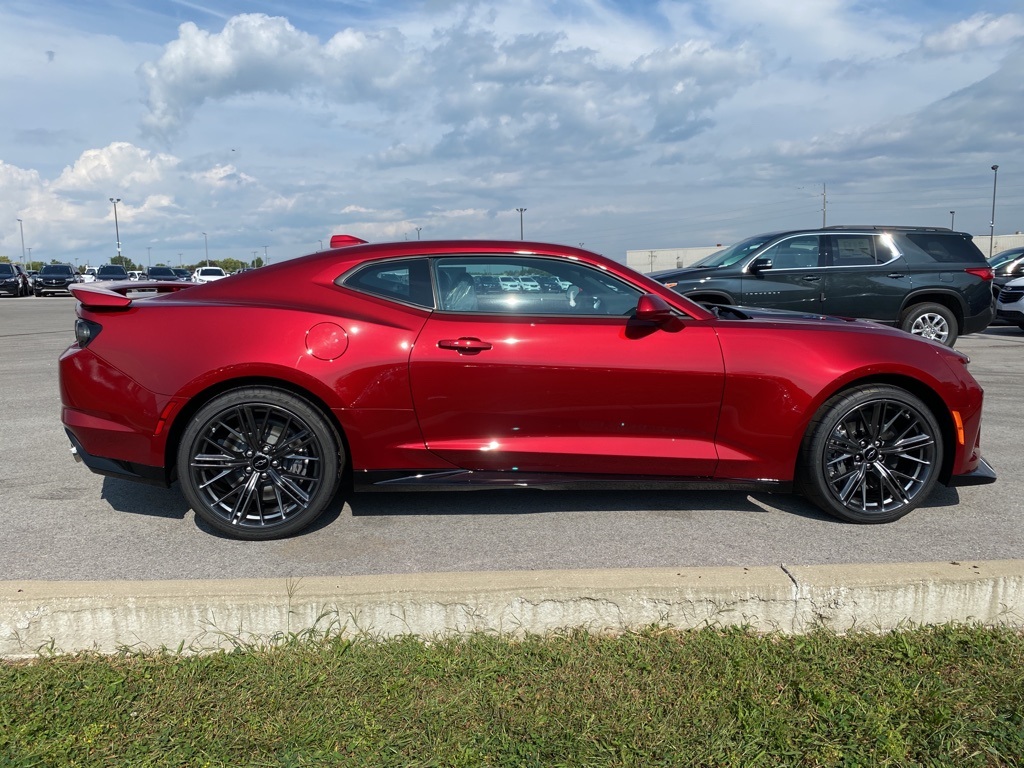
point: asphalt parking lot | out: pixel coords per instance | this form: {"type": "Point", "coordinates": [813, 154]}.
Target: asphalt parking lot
{"type": "Point", "coordinates": [62, 522]}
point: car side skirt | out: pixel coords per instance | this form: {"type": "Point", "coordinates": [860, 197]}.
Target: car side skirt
{"type": "Point", "coordinates": [468, 480]}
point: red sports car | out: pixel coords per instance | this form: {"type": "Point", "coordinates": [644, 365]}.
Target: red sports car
{"type": "Point", "coordinates": [428, 364]}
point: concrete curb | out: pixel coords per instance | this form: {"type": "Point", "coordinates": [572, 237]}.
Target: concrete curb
{"type": "Point", "coordinates": [207, 615]}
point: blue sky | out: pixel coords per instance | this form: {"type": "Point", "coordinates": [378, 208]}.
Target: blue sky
{"type": "Point", "coordinates": [620, 125]}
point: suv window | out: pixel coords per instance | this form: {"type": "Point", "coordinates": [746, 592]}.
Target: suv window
{"type": "Point", "coordinates": [949, 247]}
{"type": "Point", "coordinates": [794, 253]}
{"type": "Point", "coordinates": [6, 269]}
{"type": "Point", "coordinates": [859, 250]}
{"type": "Point", "coordinates": [112, 270]}
{"type": "Point", "coordinates": [56, 269]}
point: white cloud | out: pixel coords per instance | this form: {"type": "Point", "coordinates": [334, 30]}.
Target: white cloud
{"type": "Point", "coordinates": [118, 165]}
{"type": "Point", "coordinates": [980, 31]}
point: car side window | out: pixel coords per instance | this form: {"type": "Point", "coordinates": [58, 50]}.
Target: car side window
{"type": "Point", "coordinates": [859, 250]}
{"type": "Point", "coordinates": [799, 252]}
{"type": "Point", "coordinates": [508, 284]}
{"type": "Point", "coordinates": [407, 281]}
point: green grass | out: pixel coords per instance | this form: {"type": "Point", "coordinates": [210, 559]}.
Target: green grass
{"type": "Point", "coordinates": [934, 696]}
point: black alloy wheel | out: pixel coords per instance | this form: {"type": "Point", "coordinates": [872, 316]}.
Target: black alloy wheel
{"type": "Point", "coordinates": [871, 455]}
{"type": "Point", "coordinates": [259, 463]}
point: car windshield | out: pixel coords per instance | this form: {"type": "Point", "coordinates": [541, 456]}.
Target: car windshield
{"type": "Point", "coordinates": [733, 253]}
{"type": "Point", "coordinates": [208, 271]}
{"type": "Point", "coordinates": [55, 269]}
{"type": "Point", "coordinates": [6, 269]}
{"type": "Point", "coordinates": [112, 269]}
{"type": "Point", "coordinates": [1002, 258]}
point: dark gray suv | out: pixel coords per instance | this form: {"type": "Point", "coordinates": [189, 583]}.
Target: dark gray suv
{"type": "Point", "coordinates": [932, 282]}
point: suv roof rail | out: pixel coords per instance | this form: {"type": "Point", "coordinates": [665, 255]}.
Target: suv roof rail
{"type": "Point", "coordinates": [881, 228]}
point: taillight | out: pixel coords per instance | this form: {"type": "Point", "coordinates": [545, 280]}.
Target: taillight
{"type": "Point", "coordinates": [985, 273]}
{"type": "Point", "coordinates": [86, 331]}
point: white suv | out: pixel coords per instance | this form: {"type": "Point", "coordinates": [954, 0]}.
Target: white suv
{"type": "Point", "coordinates": [208, 274]}
{"type": "Point", "coordinates": [1010, 304]}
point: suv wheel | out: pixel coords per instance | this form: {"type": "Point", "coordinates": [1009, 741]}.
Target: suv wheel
{"type": "Point", "coordinates": [931, 321]}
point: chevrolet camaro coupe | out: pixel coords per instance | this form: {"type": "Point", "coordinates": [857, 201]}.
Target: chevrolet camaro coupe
{"type": "Point", "coordinates": [390, 366]}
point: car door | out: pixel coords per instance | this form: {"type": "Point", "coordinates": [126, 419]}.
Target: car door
{"type": "Point", "coordinates": [793, 278]}
{"type": "Point", "coordinates": [566, 382]}
{"type": "Point", "coordinates": [866, 277]}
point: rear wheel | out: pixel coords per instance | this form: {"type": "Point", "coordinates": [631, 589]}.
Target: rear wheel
{"type": "Point", "coordinates": [259, 463]}
{"type": "Point", "coordinates": [871, 455]}
{"type": "Point", "coordinates": [931, 321]}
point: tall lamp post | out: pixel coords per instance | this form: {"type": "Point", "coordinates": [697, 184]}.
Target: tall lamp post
{"type": "Point", "coordinates": [992, 224]}
{"type": "Point", "coordinates": [418, 229]}
{"type": "Point", "coordinates": [952, 218]}
{"type": "Point", "coordinates": [117, 229]}
{"type": "Point", "coordinates": [21, 226]}
{"type": "Point", "coordinates": [206, 247]}
{"type": "Point", "coordinates": [521, 212]}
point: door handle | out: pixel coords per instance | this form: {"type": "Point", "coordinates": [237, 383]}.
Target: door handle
{"type": "Point", "coordinates": [464, 344]}
{"type": "Point", "coordinates": [811, 278]}
{"type": "Point", "coordinates": [896, 274]}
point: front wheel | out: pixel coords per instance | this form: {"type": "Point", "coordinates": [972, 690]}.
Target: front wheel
{"type": "Point", "coordinates": [871, 455]}
{"type": "Point", "coordinates": [931, 321]}
{"type": "Point", "coordinates": [259, 463]}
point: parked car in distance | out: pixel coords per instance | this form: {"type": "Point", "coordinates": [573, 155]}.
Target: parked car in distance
{"type": "Point", "coordinates": [55, 278]}
{"type": "Point", "coordinates": [509, 283]}
{"type": "Point", "coordinates": [208, 274]}
{"type": "Point", "coordinates": [929, 281]}
{"type": "Point", "coordinates": [183, 274]}
{"type": "Point", "coordinates": [13, 280]}
{"type": "Point", "coordinates": [163, 274]}
{"type": "Point", "coordinates": [111, 272]}
{"type": "Point", "coordinates": [134, 274]}
{"type": "Point", "coordinates": [1010, 303]}
{"type": "Point", "coordinates": [1006, 266]}
{"type": "Point", "coordinates": [383, 365]}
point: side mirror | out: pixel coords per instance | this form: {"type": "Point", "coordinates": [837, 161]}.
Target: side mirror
{"type": "Point", "coordinates": [762, 262]}
{"type": "Point", "coordinates": [654, 309]}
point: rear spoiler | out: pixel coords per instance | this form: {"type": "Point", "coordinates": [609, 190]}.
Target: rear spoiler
{"type": "Point", "coordinates": [114, 295]}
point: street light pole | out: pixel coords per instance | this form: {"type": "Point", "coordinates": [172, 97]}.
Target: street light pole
{"type": "Point", "coordinates": [418, 232]}
{"type": "Point", "coordinates": [266, 256]}
{"type": "Point", "coordinates": [117, 229]}
{"type": "Point", "coordinates": [206, 246]}
{"type": "Point", "coordinates": [521, 212]}
{"type": "Point", "coordinates": [321, 245]}
{"type": "Point", "coordinates": [149, 256]}
{"type": "Point", "coordinates": [21, 226]}
{"type": "Point", "coordinates": [992, 224]}
{"type": "Point", "coordinates": [952, 218]}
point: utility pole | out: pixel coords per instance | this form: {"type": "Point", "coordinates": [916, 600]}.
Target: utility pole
{"type": "Point", "coordinates": [952, 218]}
{"type": "Point", "coordinates": [521, 212]}
{"type": "Point", "coordinates": [117, 229]}
{"type": "Point", "coordinates": [824, 205]}
{"type": "Point", "coordinates": [992, 224]}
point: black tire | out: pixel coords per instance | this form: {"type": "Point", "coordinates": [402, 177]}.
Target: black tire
{"type": "Point", "coordinates": [871, 455]}
{"type": "Point", "coordinates": [931, 321]}
{"type": "Point", "coordinates": [259, 463]}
